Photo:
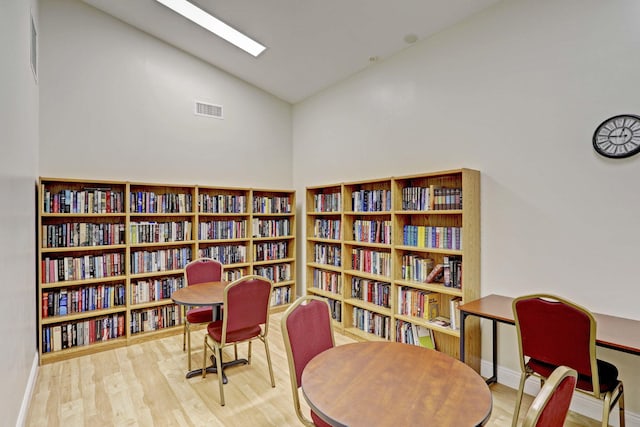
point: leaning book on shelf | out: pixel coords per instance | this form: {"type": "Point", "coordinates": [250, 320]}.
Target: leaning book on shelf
{"type": "Point", "coordinates": [423, 337]}
{"type": "Point", "coordinates": [435, 274]}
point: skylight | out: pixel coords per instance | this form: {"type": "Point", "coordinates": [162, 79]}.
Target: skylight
{"type": "Point", "coordinates": [213, 24]}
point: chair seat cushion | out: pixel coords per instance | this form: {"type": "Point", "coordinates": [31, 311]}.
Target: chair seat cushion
{"type": "Point", "coordinates": [608, 375]}
{"type": "Point", "coordinates": [318, 421]}
{"type": "Point", "coordinates": [215, 331]}
{"type": "Point", "coordinates": [199, 315]}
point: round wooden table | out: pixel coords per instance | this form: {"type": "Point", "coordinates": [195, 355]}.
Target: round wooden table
{"type": "Point", "coordinates": [393, 384]}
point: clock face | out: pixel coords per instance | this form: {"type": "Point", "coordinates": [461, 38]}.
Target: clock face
{"type": "Point", "coordinates": [618, 136]}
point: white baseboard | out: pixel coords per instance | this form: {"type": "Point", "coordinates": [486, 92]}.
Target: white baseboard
{"type": "Point", "coordinates": [28, 392]}
{"type": "Point", "coordinates": [581, 403]}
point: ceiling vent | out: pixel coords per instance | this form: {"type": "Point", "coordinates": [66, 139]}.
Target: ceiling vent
{"type": "Point", "coordinates": [208, 110]}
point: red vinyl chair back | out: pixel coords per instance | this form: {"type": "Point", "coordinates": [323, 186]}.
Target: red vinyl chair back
{"type": "Point", "coordinates": [307, 331]}
{"type": "Point", "coordinates": [556, 332]}
{"type": "Point", "coordinates": [551, 405]}
{"type": "Point", "coordinates": [246, 303]}
{"type": "Point", "coordinates": [203, 270]}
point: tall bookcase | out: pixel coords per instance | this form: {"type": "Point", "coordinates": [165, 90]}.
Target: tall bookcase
{"type": "Point", "coordinates": [112, 252]}
{"type": "Point", "coordinates": [370, 246]}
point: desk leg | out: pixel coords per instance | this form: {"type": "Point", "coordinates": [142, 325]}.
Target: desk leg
{"type": "Point", "coordinates": [211, 369]}
{"type": "Point", "coordinates": [463, 317]}
{"type": "Point", "coordinates": [494, 377]}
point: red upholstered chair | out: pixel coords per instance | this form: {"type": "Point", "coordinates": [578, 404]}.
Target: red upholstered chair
{"type": "Point", "coordinates": [307, 331]}
{"type": "Point", "coordinates": [550, 407]}
{"type": "Point", "coordinates": [199, 271]}
{"type": "Point", "coordinates": [246, 318]}
{"type": "Point", "coordinates": [553, 332]}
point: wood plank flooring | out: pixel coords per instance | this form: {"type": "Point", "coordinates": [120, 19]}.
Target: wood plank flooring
{"type": "Point", "coordinates": [144, 385]}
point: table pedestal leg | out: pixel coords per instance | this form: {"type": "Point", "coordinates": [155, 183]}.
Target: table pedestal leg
{"type": "Point", "coordinates": [212, 369]}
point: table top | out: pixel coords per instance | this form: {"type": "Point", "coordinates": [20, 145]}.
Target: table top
{"type": "Point", "coordinates": [612, 332]}
{"type": "Point", "coordinates": [208, 293]}
{"type": "Point", "coordinates": [394, 384]}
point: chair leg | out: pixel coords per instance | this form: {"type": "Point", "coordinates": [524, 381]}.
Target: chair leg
{"type": "Point", "coordinates": [249, 354]}
{"type": "Point", "coordinates": [266, 349]}
{"type": "Point", "coordinates": [621, 405]}
{"type": "Point", "coordinates": [189, 345]}
{"type": "Point", "coordinates": [516, 411]}
{"type": "Point", "coordinates": [204, 358]}
{"type": "Point", "coordinates": [220, 379]}
{"type": "Point", "coordinates": [184, 328]}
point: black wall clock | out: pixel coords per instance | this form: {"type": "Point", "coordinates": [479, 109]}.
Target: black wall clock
{"type": "Point", "coordinates": [618, 136]}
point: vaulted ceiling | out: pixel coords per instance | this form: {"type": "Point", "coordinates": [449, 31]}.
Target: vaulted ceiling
{"type": "Point", "coordinates": [310, 44]}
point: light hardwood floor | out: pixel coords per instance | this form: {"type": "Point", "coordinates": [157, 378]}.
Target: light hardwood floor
{"type": "Point", "coordinates": [144, 385]}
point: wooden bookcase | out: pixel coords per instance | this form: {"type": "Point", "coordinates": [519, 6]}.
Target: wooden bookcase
{"type": "Point", "coordinates": [112, 252]}
{"type": "Point", "coordinates": [367, 253]}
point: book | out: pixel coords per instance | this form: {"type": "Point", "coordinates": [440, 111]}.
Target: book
{"type": "Point", "coordinates": [435, 274]}
{"type": "Point", "coordinates": [423, 337]}
{"type": "Point", "coordinates": [441, 321]}
{"type": "Point", "coordinates": [454, 312]}
{"type": "Point", "coordinates": [434, 305]}
{"type": "Point", "coordinates": [446, 272]}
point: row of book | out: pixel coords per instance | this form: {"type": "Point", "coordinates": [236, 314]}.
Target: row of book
{"type": "Point", "coordinates": [416, 268]}
{"type": "Point", "coordinates": [281, 295]}
{"type": "Point", "coordinates": [271, 227]}
{"type": "Point", "coordinates": [327, 254]}
{"type": "Point", "coordinates": [372, 323]}
{"type": "Point", "coordinates": [60, 302]}
{"type": "Point", "coordinates": [372, 231]}
{"type": "Point", "coordinates": [269, 251]}
{"type": "Point", "coordinates": [416, 199]}
{"type": "Point", "coordinates": [80, 268]}
{"type": "Point", "coordinates": [418, 303]}
{"type": "Point", "coordinates": [155, 318]}
{"type": "Point", "coordinates": [160, 260]}
{"type": "Point", "coordinates": [226, 254]}
{"type": "Point", "coordinates": [272, 204]}
{"type": "Point", "coordinates": [326, 229]}
{"type": "Point", "coordinates": [408, 333]}
{"type": "Point", "coordinates": [159, 232]}
{"type": "Point", "coordinates": [447, 198]}
{"type": "Point", "coordinates": [222, 203]}
{"type": "Point", "coordinates": [336, 309]}
{"type": "Point", "coordinates": [432, 237]}
{"type": "Point", "coordinates": [89, 200]}
{"type": "Point", "coordinates": [372, 291]}
{"type": "Point", "coordinates": [329, 281]}
{"type": "Point", "coordinates": [143, 291]}
{"type": "Point", "coordinates": [370, 261]}
{"type": "Point", "coordinates": [78, 234]}
{"type": "Point", "coordinates": [371, 200]}
{"type": "Point", "coordinates": [276, 273]}
{"type": "Point", "coordinates": [227, 229]}
{"type": "Point", "coordinates": [152, 202]}
{"type": "Point", "coordinates": [330, 202]}
{"type": "Point", "coordinates": [83, 332]}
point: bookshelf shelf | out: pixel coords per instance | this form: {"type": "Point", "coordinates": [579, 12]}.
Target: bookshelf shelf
{"type": "Point", "coordinates": [402, 227]}
{"type": "Point", "coordinates": [159, 228]}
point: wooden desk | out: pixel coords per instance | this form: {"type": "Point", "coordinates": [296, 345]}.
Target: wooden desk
{"type": "Point", "coordinates": [209, 293]}
{"type": "Point", "coordinates": [612, 332]}
{"type": "Point", "coordinates": [393, 384]}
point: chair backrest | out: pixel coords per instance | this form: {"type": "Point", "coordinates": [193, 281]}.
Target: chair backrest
{"type": "Point", "coordinates": [550, 407]}
{"type": "Point", "coordinates": [307, 331]}
{"type": "Point", "coordinates": [246, 305]}
{"type": "Point", "coordinates": [203, 270]}
{"type": "Point", "coordinates": [558, 332]}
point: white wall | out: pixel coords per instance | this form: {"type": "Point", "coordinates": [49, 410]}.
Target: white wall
{"type": "Point", "coordinates": [18, 174]}
{"type": "Point", "coordinates": [117, 103]}
{"type": "Point", "coordinates": [517, 93]}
